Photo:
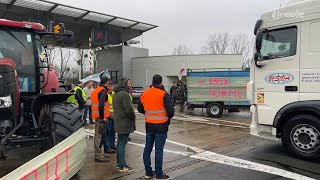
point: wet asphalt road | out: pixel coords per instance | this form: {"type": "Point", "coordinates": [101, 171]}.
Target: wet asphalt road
{"type": "Point", "coordinates": [271, 154]}
{"type": "Point", "coordinates": [227, 136]}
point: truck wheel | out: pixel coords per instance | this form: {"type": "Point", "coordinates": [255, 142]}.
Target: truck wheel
{"type": "Point", "coordinates": [214, 110]}
{"type": "Point", "coordinates": [301, 136]}
{"type": "Point", "coordinates": [66, 119]}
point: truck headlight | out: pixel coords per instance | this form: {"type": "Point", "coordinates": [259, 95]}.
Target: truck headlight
{"type": "Point", "coordinates": [5, 102]}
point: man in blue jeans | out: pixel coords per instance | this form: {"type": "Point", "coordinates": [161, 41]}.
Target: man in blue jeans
{"type": "Point", "coordinates": [158, 109]}
{"type": "Point", "coordinates": [125, 121]}
{"type": "Point", "coordinates": [108, 140]}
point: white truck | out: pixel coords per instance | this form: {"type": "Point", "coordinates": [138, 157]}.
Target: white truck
{"type": "Point", "coordinates": [284, 87]}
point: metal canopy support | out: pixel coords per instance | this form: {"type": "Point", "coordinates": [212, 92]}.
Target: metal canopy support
{"type": "Point", "coordinates": [51, 9]}
{"type": "Point", "coordinates": [150, 28]}
{"type": "Point", "coordinates": [83, 15]}
{"type": "Point", "coordinates": [132, 25]}
{"type": "Point", "coordinates": [11, 4]}
{"type": "Point", "coordinates": [109, 21]}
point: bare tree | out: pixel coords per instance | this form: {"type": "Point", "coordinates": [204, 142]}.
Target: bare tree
{"type": "Point", "coordinates": [181, 50]}
{"type": "Point", "coordinates": [239, 43]}
{"type": "Point", "coordinates": [217, 44]}
{"type": "Point", "coordinates": [242, 44]}
{"type": "Point", "coordinates": [230, 44]}
{"type": "Point", "coordinates": [80, 60]}
{"type": "Point", "coordinates": [51, 55]}
{"type": "Point", "coordinates": [65, 56]}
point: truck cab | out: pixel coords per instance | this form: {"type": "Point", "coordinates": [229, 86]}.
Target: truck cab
{"type": "Point", "coordinates": [285, 76]}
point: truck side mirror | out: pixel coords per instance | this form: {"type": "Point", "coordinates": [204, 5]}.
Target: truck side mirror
{"type": "Point", "coordinates": [259, 41]}
{"type": "Point", "coordinates": [259, 61]}
{"type": "Point", "coordinates": [257, 26]}
{"type": "Point", "coordinates": [68, 38]}
{"type": "Point", "coordinates": [256, 59]}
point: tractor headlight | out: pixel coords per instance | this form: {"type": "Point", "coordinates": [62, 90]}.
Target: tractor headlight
{"type": "Point", "coordinates": [5, 102]}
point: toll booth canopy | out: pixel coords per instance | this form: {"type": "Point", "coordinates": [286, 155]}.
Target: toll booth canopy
{"type": "Point", "coordinates": [103, 29]}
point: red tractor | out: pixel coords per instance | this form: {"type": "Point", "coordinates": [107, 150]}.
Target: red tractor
{"type": "Point", "coordinates": [32, 110]}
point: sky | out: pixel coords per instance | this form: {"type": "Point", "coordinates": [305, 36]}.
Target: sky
{"type": "Point", "coordinates": [187, 22]}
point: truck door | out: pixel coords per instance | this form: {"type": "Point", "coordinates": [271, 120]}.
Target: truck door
{"type": "Point", "coordinates": [310, 64]}
{"type": "Point", "coordinates": [277, 79]}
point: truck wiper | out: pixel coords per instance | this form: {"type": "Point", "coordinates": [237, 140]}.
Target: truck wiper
{"type": "Point", "coordinates": [12, 35]}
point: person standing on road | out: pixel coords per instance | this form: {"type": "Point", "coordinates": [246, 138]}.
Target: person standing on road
{"type": "Point", "coordinates": [158, 109]}
{"type": "Point", "coordinates": [109, 138]}
{"type": "Point", "coordinates": [124, 120]}
{"type": "Point", "coordinates": [182, 96]}
{"type": "Point", "coordinates": [80, 98]}
{"type": "Point", "coordinates": [88, 90]}
{"type": "Point", "coordinates": [174, 93]}
{"type": "Point", "coordinates": [100, 113]}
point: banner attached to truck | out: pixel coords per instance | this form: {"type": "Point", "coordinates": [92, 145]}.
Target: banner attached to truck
{"type": "Point", "coordinates": [202, 89]}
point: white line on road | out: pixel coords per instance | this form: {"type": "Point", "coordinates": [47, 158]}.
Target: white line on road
{"type": "Point", "coordinates": [190, 119]}
{"type": "Point", "coordinates": [214, 119]}
{"type": "Point", "coordinates": [231, 161]}
{"type": "Point", "coordinates": [165, 150]}
{"type": "Point", "coordinates": [210, 123]}
{"type": "Point", "coordinates": [197, 150]}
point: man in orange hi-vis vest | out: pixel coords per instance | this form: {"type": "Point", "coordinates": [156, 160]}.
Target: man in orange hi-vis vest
{"type": "Point", "coordinates": [100, 112]}
{"type": "Point", "coordinates": [158, 109]}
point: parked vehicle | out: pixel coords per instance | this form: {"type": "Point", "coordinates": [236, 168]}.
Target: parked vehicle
{"type": "Point", "coordinates": [33, 111]}
{"type": "Point", "coordinates": [136, 92]}
{"type": "Point", "coordinates": [217, 89]}
{"type": "Point", "coordinates": [284, 78]}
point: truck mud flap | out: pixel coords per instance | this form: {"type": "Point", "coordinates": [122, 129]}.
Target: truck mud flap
{"type": "Point", "coordinates": [60, 162]}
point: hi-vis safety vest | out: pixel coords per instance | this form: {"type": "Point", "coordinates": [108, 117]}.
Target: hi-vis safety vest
{"type": "Point", "coordinates": [153, 103]}
{"type": "Point", "coordinates": [110, 101]}
{"type": "Point", "coordinates": [72, 98]}
{"type": "Point", "coordinates": [95, 104]}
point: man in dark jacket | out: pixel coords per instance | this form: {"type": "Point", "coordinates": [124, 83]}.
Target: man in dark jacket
{"type": "Point", "coordinates": [182, 95]}
{"type": "Point", "coordinates": [158, 109]}
{"type": "Point", "coordinates": [124, 120]}
{"type": "Point", "coordinates": [80, 97]}
{"type": "Point", "coordinates": [174, 93]}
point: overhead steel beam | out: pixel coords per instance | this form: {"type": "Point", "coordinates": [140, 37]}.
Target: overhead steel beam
{"type": "Point", "coordinates": [11, 4]}
{"type": "Point", "coordinates": [109, 21]}
{"type": "Point", "coordinates": [51, 9]}
{"type": "Point", "coordinates": [132, 25]}
{"type": "Point", "coordinates": [83, 15]}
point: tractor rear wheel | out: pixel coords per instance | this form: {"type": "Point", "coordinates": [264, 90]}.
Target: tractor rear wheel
{"type": "Point", "coordinates": [66, 119]}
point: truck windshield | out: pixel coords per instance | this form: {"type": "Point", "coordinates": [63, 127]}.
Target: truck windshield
{"type": "Point", "coordinates": [17, 44]}
{"type": "Point", "coordinates": [279, 43]}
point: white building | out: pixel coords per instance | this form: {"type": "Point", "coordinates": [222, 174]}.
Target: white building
{"type": "Point", "coordinates": [135, 64]}
{"type": "Point", "coordinates": [169, 66]}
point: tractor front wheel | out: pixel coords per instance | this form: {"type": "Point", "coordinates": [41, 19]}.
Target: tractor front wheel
{"type": "Point", "coordinates": [66, 119]}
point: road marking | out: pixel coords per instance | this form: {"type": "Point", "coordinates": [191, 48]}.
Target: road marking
{"type": "Point", "coordinates": [197, 150]}
{"type": "Point", "coordinates": [165, 150]}
{"type": "Point", "coordinates": [211, 123]}
{"type": "Point", "coordinates": [193, 119]}
{"type": "Point", "coordinates": [231, 161]}
{"type": "Point", "coordinates": [214, 119]}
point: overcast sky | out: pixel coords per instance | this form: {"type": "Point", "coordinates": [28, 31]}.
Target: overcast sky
{"type": "Point", "coordinates": [187, 22]}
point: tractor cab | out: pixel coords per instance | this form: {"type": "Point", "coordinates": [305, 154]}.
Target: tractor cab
{"type": "Point", "coordinates": [29, 87]}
